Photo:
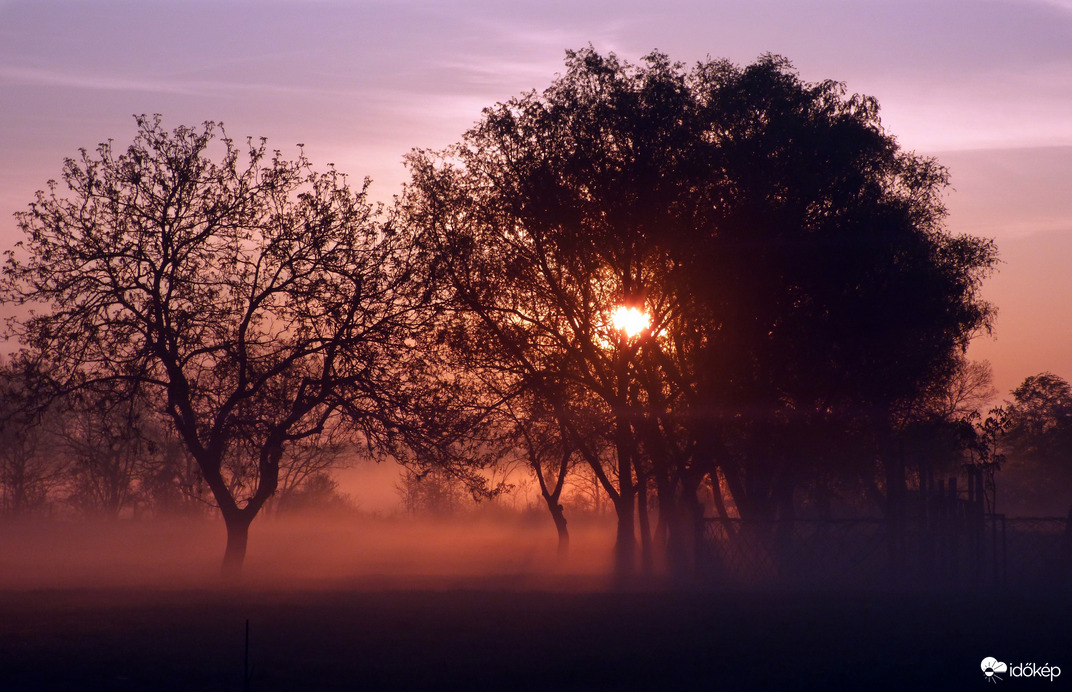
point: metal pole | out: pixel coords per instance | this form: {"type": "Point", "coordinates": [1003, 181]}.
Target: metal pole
{"type": "Point", "coordinates": [245, 666]}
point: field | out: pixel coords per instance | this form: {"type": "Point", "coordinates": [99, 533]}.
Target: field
{"type": "Point", "coordinates": [501, 624]}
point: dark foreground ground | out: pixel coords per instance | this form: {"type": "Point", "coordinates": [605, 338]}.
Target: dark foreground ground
{"type": "Point", "coordinates": [490, 636]}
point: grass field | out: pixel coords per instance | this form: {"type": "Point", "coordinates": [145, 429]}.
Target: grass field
{"type": "Point", "coordinates": [490, 637]}
{"type": "Point", "coordinates": [503, 625]}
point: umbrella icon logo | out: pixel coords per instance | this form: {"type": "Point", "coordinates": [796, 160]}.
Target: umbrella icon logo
{"type": "Point", "coordinates": [991, 667]}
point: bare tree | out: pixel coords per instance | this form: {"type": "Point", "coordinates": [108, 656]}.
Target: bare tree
{"type": "Point", "coordinates": [106, 437]}
{"type": "Point", "coordinates": [252, 295]}
{"type": "Point", "coordinates": [30, 466]}
{"type": "Point", "coordinates": [432, 493]}
{"type": "Point", "coordinates": [309, 461]}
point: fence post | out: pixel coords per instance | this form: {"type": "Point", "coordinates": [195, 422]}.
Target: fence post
{"type": "Point", "coordinates": [245, 662]}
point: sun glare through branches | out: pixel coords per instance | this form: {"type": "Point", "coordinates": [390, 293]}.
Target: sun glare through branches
{"type": "Point", "coordinates": [630, 320]}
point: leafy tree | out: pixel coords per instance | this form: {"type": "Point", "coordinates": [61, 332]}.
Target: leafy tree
{"type": "Point", "coordinates": [1041, 415]}
{"type": "Point", "coordinates": [791, 261]}
{"type": "Point", "coordinates": [538, 294]}
{"type": "Point", "coordinates": [826, 294]}
{"type": "Point", "coordinates": [1038, 442]}
{"type": "Point", "coordinates": [252, 296]}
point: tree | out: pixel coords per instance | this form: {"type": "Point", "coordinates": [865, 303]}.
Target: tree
{"type": "Point", "coordinates": [944, 429]}
{"type": "Point", "coordinates": [432, 493]}
{"type": "Point", "coordinates": [826, 294]}
{"type": "Point", "coordinates": [305, 466]}
{"type": "Point", "coordinates": [31, 463]}
{"type": "Point", "coordinates": [108, 439]}
{"type": "Point", "coordinates": [1041, 415]}
{"type": "Point", "coordinates": [527, 431]}
{"type": "Point", "coordinates": [317, 491]}
{"type": "Point", "coordinates": [1038, 442]}
{"type": "Point", "coordinates": [788, 263]}
{"type": "Point", "coordinates": [251, 295]}
{"type": "Point", "coordinates": [537, 295]}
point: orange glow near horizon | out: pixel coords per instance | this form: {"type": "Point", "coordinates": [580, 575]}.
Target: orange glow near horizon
{"type": "Point", "coordinates": [630, 320]}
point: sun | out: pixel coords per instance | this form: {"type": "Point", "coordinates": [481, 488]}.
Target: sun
{"type": "Point", "coordinates": [630, 320]}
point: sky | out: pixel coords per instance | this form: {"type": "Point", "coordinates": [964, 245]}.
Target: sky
{"type": "Point", "coordinates": [985, 87]}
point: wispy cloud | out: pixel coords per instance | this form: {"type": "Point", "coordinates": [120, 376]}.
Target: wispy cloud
{"type": "Point", "coordinates": [40, 77]}
{"type": "Point", "coordinates": [34, 76]}
{"type": "Point", "coordinates": [522, 53]}
{"type": "Point", "coordinates": [997, 109]}
{"type": "Point", "coordinates": [1065, 5]}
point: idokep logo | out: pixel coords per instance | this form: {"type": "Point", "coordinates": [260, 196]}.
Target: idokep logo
{"type": "Point", "coordinates": [992, 667]}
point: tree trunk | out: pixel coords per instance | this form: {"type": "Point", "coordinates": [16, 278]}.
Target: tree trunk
{"type": "Point", "coordinates": [646, 558]}
{"type": "Point", "coordinates": [551, 497]}
{"type": "Point", "coordinates": [625, 506]}
{"type": "Point", "coordinates": [663, 496]}
{"type": "Point", "coordinates": [716, 495]}
{"type": "Point", "coordinates": [625, 541]}
{"type": "Point", "coordinates": [237, 538]}
{"type": "Point", "coordinates": [684, 514]}
{"type": "Point", "coordinates": [235, 518]}
{"type": "Point", "coordinates": [559, 516]}
{"type": "Point", "coordinates": [741, 498]}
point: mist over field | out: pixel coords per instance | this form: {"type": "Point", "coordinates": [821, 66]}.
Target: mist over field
{"type": "Point", "coordinates": [473, 603]}
{"type": "Point", "coordinates": [306, 550]}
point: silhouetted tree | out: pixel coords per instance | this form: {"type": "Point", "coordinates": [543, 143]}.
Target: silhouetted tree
{"type": "Point", "coordinates": [527, 430]}
{"type": "Point", "coordinates": [310, 459]}
{"type": "Point", "coordinates": [432, 492]}
{"type": "Point", "coordinates": [108, 439]}
{"type": "Point", "coordinates": [946, 427]}
{"type": "Point", "coordinates": [798, 282]}
{"type": "Point", "coordinates": [1041, 416]}
{"type": "Point", "coordinates": [825, 293]}
{"type": "Point", "coordinates": [1038, 444]}
{"type": "Point", "coordinates": [505, 210]}
{"type": "Point", "coordinates": [173, 484]}
{"type": "Point", "coordinates": [317, 492]}
{"type": "Point", "coordinates": [32, 465]}
{"type": "Point", "coordinates": [252, 296]}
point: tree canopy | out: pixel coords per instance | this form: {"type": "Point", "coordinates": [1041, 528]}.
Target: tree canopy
{"type": "Point", "coordinates": [791, 259]}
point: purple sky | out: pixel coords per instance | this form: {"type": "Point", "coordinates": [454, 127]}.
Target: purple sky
{"type": "Point", "coordinates": [984, 86]}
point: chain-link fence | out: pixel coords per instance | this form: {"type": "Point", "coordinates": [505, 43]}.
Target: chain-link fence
{"type": "Point", "coordinates": [1033, 551]}
{"type": "Point", "coordinates": [989, 550]}
{"type": "Point", "coordinates": [764, 552]}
